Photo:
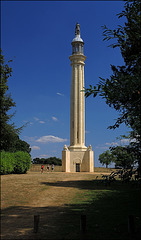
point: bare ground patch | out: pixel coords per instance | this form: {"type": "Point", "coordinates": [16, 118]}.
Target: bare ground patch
{"type": "Point", "coordinates": [48, 195]}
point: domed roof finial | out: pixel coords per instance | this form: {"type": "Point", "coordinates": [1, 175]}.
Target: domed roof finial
{"type": "Point", "coordinates": [77, 29]}
{"type": "Point", "coordinates": [77, 34]}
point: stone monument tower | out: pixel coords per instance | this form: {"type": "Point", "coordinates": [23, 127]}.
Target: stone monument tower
{"type": "Point", "coordinates": [77, 158]}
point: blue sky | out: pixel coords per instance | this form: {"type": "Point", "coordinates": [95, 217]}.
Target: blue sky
{"type": "Point", "coordinates": [37, 35]}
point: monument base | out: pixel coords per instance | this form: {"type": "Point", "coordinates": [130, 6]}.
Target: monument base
{"type": "Point", "coordinates": [77, 160]}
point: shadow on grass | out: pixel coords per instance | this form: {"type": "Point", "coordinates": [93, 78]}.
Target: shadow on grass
{"type": "Point", "coordinates": [93, 184]}
{"type": "Point", "coordinates": [106, 208]}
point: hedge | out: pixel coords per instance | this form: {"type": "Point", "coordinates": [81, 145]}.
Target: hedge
{"type": "Point", "coordinates": [17, 162]}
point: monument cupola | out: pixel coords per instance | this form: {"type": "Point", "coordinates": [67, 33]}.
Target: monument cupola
{"type": "Point", "coordinates": [77, 42]}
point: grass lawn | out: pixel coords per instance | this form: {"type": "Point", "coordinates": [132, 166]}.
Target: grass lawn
{"type": "Point", "coordinates": [60, 199]}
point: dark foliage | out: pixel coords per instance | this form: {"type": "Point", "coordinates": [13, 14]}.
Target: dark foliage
{"type": "Point", "coordinates": [9, 134]}
{"type": "Point", "coordinates": [122, 90]}
{"type": "Point", "coordinates": [51, 160]}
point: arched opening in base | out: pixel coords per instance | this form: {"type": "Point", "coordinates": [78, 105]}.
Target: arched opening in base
{"type": "Point", "coordinates": [77, 167]}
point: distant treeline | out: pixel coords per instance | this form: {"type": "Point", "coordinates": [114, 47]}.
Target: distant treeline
{"type": "Point", "coordinates": [51, 160]}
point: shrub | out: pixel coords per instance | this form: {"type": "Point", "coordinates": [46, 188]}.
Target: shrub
{"type": "Point", "coordinates": [22, 162]}
{"type": "Point", "coordinates": [7, 160]}
{"type": "Point", "coordinates": [18, 162]}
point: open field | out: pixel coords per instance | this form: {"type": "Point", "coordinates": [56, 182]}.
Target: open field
{"type": "Point", "coordinates": [60, 199]}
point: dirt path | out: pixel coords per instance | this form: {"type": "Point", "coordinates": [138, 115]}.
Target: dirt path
{"type": "Point", "coordinates": [24, 196]}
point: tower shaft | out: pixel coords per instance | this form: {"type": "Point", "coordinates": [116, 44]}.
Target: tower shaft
{"type": "Point", "coordinates": [77, 118]}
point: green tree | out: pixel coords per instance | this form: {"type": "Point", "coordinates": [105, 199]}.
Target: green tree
{"type": "Point", "coordinates": [106, 158]}
{"type": "Point", "coordinates": [122, 90]}
{"type": "Point", "coordinates": [9, 138]}
{"type": "Point", "coordinates": [36, 161]}
{"type": "Point", "coordinates": [122, 157]}
{"type": "Point", "coordinates": [19, 145]}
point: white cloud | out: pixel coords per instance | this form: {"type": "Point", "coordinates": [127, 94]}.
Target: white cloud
{"type": "Point", "coordinates": [36, 119]}
{"type": "Point", "coordinates": [49, 138]}
{"type": "Point", "coordinates": [112, 143]}
{"type": "Point", "coordinates": [35, 148]}
{"type": "Point", "coordinates": [27, 122]}
{"type": "Point", "coordinates": [54, 119]}
{"type": "Point", "coordinates": [30, 139]}
{"type": "Point", "coordinates": [101, 147]}
{"type": "Point", "coordinates": [60, 94]}
{"type": "Point", "coordinates": [41, 122]}
{"type": "Point", "coordinates": [43, 155]}
{"type": "Point", "coordinates": [125, 141]}
{"type": "Point", "coordinates": [134, 140]}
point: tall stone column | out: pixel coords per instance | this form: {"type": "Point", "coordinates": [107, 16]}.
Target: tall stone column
{"type": "Point", "coordinates": [83, 107]}
{"type": "Point", "coordinates": [77, 118]}
{"type": "Point", "coordinates": [80, 107]}
{"type": "Point", "coordinates": [77, 157]}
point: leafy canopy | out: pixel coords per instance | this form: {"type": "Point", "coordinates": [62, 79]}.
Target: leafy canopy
{"type": "Point", "coordinates": [122, 90]}
{"type": "Point", "coordinates": [9, 139]}
{"type": "Point", "coordinates": [122, 157]}
{"type": "Point", "coordinates": [106, 158]}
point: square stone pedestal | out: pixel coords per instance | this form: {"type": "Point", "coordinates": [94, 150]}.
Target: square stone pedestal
{"type": "Point", "coordinates": [77, 160]}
